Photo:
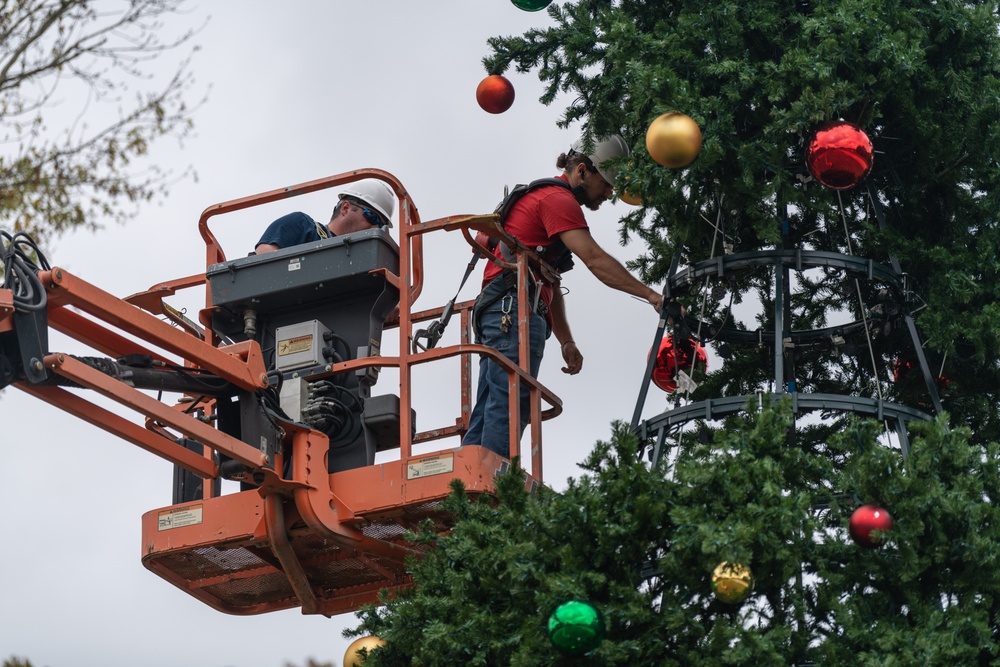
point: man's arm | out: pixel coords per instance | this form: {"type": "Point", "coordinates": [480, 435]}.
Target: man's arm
{"type": "Point", "coordinates": [286, 231]}
{"type": "Point", "coordinates": [560, 328]}
{"type": "Point", "coordinates": [606, 268]}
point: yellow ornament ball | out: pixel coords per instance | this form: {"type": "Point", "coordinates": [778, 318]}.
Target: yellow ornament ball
{"type": "Point", "coordinates": [732, 583]}
{"type": "Point", "coordinates": [629, 198]}
{"type": "Point", "coordinates": [352, 657]}
{"type": "Point", "coordinates": [673, 140]}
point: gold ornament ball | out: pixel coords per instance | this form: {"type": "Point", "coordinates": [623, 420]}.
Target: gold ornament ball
{"type": "Point", "coordinates": [673, 140]}
{"type": "Point", "coordinates": [352, 658]}
{"type": "Point", "coordinates": [628, 197]}
{"type": "Point", "coordinates": [732, 583]}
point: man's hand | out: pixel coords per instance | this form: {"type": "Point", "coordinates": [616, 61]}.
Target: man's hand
{"type": "Point", "coordinates": [656, 300]}
{"type": "Point", "coordinates": [572, 357]}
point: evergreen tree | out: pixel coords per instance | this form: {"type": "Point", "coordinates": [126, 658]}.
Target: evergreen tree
{"type": "Point", "coordinates": [641, 545]}
{"type": "Point", "coordinates": [766, 489]}
{"type": "Point", "coordinates": [759, 78]}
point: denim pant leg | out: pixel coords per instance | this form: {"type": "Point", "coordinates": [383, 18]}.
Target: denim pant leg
{"type": "Point", "coordinates": [488, 424]}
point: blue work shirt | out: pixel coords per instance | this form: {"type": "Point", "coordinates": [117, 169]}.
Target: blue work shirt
{"type": "Point", "coordinates": [291, 229]}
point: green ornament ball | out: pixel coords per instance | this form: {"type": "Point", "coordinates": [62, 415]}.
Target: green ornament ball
{"type": "Point", "coordinates": [531, 5]}
{"type": "Point", "coordinates": [576, 627]}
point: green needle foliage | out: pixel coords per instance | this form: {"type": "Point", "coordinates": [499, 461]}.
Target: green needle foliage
{"type": "Point", "coordinates": [641, 544]}
{"type": "Point", "coordinates": [921, 79]}
{"type": "Point", "coordinates": [767, 489]}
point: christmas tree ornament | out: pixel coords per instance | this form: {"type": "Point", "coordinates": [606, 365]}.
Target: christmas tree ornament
{"type": "Point", "coordinates": [531, 5]}
{"type": "Point", "coordinates": [673, 140]}
{"type": "Point", "coordinates": [864, 521]}
{"type": "Point", "coordinates": [839, 155]}
{"type": "Point", "coordinates": [352, 657]}
{"type": "Point", "coordinates": [901, 375]}
{"type": "Point", "coordinates": [732, 583]}
{"type": "Point", "coordinates": [576, 627]}
{"type": "Point", "coordinates": [495, 94]}
{"type": "Point", "coordinates": [670, 360]}
{"type": "Point", "coordinates": [628, 197]}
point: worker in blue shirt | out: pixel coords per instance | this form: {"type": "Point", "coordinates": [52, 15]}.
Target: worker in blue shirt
{"type": "Point", "coordinates": [363, 205]}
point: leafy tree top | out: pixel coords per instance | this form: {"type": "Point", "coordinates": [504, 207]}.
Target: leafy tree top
{"type": "Point", "coordinates": [63, 167]}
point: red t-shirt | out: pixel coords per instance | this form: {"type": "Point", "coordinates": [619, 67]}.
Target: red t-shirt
{"type": "Point", "coordinates": [537, 219]}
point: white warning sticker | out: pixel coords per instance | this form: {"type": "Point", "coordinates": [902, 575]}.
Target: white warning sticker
{"type": "Point", "coordinates": [433, 465]}
{"type": "Point", "coordinates": [178, 518]}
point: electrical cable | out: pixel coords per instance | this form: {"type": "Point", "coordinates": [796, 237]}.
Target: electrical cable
{"type": "Point", "coordinates": [343, 341]}
{"type": "Point", "coordinates": [861, 301]}
{"type": "Point", "coordinates": [331, 410]}
{"type": "Point", "coordinates": [18, 255]}
{"type": "Point", "coordinates": [716, 231]}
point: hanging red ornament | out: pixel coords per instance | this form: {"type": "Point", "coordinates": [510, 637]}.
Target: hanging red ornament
{"type": "Point", "coordinates": [531, 5]}
{"type": "Point", "coordinates": [673, 140]}
{"type": "Point", "coordinates": [665, 370]}
{"type": "Point", "coordinates": [839, 155]}
{"type": "Point", "coordinates": [866, 519]}
{"type": "Point", "coordinates": [495, 94]}
{"type": "Point", "coordinates": [901, 375]}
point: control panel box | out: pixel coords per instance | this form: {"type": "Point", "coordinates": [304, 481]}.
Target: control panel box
{"type": "Point", "coordinates": [292, 278]}
{"type": "Point", "coordinates": [300, 345]}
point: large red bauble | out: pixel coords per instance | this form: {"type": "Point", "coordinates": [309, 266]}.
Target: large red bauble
{"type": "Point", "coordinates": [495, 94]}
{"type": "Point", "coordinates": [866, 519]}
{"type": "Point", "coordinates": [839, 155]}
{"type": "Point", "coordinates": [665, 370]}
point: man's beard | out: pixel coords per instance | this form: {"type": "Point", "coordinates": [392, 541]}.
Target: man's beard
{"type": "Point", "coordinates": [580, 193]}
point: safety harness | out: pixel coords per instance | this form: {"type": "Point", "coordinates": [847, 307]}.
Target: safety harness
{"type": "Point", "coordinates": [555, 254]}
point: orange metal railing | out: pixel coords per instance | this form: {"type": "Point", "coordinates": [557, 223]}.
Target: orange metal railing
{"type": "Point", "coordinates": [327, 542]}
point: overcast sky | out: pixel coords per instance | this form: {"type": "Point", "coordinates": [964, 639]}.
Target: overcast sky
{"type": "Point", "coordinates": [309, 90]}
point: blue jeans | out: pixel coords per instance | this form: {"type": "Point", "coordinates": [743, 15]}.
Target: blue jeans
{"type": "Point", "coordinates": [490, 420]}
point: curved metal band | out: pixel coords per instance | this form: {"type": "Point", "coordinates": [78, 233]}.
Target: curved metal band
{"type": "Point", "coordinates": [798, 260]}
{"type": "Point", "coordinates": [717, 408]}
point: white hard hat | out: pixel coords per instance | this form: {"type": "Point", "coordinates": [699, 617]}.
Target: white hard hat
{"type": "Point", "coordinates": [605, 148]}
{"type": "Point", "coordinates": [376, 194]}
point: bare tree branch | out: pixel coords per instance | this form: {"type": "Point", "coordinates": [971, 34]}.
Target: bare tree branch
{"type": "Point", "coordinates": [56, 172]}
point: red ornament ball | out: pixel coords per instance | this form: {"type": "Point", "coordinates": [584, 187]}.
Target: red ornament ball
{"type": "Point", "coordinates": [495, 94]}
{"type": "Point", "coordinates": [669, 361]}
{"type": "Point", "coordinates": [839, 155]}
{"type": "Point", "coordinates": [866, 519]}
{"type": "Point", "coordinates": [901, 375]}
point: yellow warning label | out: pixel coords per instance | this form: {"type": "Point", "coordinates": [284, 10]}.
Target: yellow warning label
{"type": "Point", "coordinates": [434, 465]}
{"type": "Point", "coordinates": [294, 345]}
{"type": "Point", "coordinates": [178, 518]}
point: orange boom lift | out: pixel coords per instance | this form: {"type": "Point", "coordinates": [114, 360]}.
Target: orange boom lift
{"type": "Point", "coordinates": [273, 388]}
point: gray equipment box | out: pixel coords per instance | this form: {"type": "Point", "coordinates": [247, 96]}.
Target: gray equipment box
{"type": "Point", "coordinates": [330, 294]}
{"type": "Point", "coordinates": [291, 278]}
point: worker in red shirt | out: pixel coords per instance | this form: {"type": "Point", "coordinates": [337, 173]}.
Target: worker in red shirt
{"type": "Point", "coordinates": [549, 217]}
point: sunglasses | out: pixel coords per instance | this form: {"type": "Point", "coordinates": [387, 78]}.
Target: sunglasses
{"type": "Point", "coordinates": [373, 217]}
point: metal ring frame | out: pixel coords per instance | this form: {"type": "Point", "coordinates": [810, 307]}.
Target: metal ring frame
{"type": "Point", "coordinates": [657, 428]}
{"type": "Point", "coordinates": [798, 260]}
